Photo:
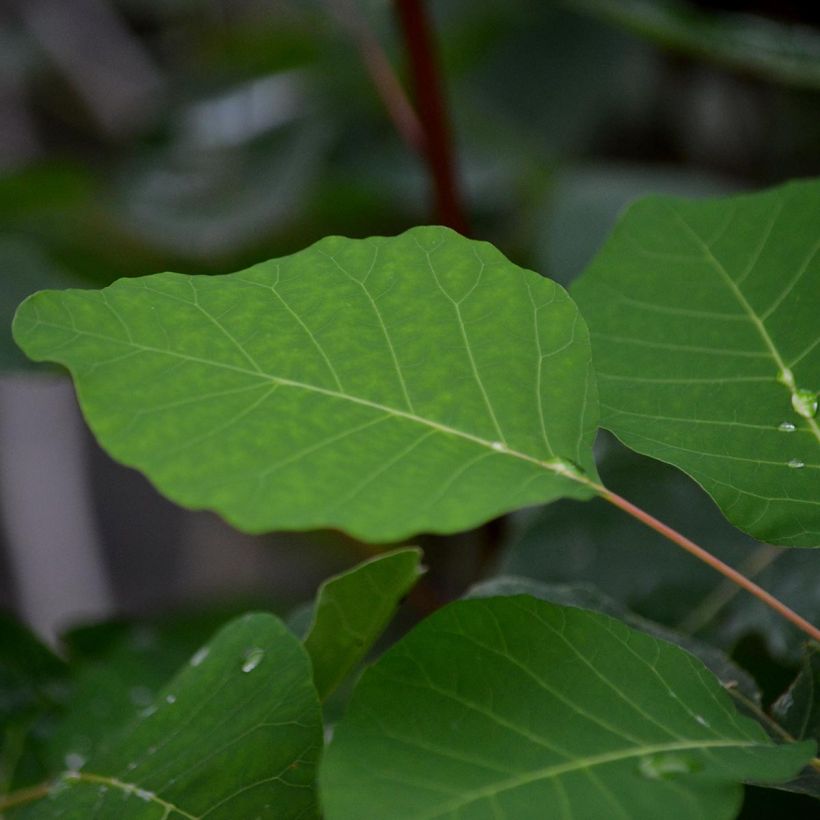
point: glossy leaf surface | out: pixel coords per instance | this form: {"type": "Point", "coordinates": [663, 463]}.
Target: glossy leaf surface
{"type": "Point", "coordinates": [706, 345]}
{"type": "Point", "coordinates": [235, 734]}
{"type": "Point", "coordinates": [516, 708]}
{"type": "Point", "coordinates": [384, 386]}
{"type": "Point", "coordinates": [352, 610]}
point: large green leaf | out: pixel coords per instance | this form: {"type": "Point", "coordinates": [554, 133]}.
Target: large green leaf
{"type": "Point", "coordinates": [704, 324]}
{"type": "Point", "coordinates": [516, 708]}
{"type": "Point", "coordinates": [352, 610]}
{"type": "Point", "coordinates": [235, 734]}
{"type": "Point", "coordinates": [384, 386]}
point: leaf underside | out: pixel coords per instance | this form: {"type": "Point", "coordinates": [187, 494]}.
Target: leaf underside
{"type": "Point", "coordinates": [516, 708]}
{"type": "Point", "coordinates": [384, 386]}
{"type": "Point", "coordinates": [703, 317]}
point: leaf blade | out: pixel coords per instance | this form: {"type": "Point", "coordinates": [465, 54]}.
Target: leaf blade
{"type": "Point", "coordinates": [704, 336]}
{"type": "Point", "coordinates": [237, 731]}
{"type": "Point", "coordinates": [226, 390]}
{"type": "Point", "coordinates": [512, 707]}
{"type": "Point", "coordinates": [343, 629]}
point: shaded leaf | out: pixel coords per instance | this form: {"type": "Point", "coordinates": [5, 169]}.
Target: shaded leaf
{"type": "Point", "coordinates": [516, 708]}
{"type": "Point", "coordinates": [384, 386]}
{"type": "Point", "coordinates": [747, 43]}
{"type": "Point", "coordinates": [797, 710]}
{"type": "Point", "coordinates": [566, 543]}
{"type": "Point", "coordinates": [586, 596]}
{"type": "Point", "coordinates": [705, 337]}
{"type": "Point", "coordinates": [235, 734]}
{"type": "Point", "coordinates": [352, 609]}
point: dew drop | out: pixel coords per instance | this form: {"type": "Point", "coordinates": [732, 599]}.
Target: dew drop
{"type": "Point", "coordinates": [74, 761]}
{"type": "Point", "coordinates": [141, 695]}
{"type": "Point", "coordinates": [131, 766]}
{"type": "Point", "coordinates": [785, 376]}
{"type": "Point", "coordinates": [170, 698]}
{"type": "Point", "coordinates": [787, 427]}
{"type": "Point", "coordinates": [252, 659]}
{"type": "Point", "coordinates": [796, 464]}
{"type": "Point", "coordinates": [144, 794]}
{"type": "Point", "coordinates": [805, 403]}
{"type": "Point", "coordinates": [147, 712]}
{"type": "Point", "coordinates": [497, 445]}
{"type": "Point", "coordinates": [702, 721]}
{"type": "Point", "coordinates": [665, 766]}
{"type": "Point", "coordinates": [200, 656]}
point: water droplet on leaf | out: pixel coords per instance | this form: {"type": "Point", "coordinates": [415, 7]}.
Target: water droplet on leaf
{"type": "Point", "coordinates": [497, 445]}
{"type": "Point", "coordinates": [666, 765]}
{"type": "Point", "coordinates": [702, 721]}
{"type": "Point", "coordinates": [170, 698]}
{"type": "Point", "coordinates": [785, 376]}
{"type": "Point", "coordinates": [74, 761]}
{"type": "Point", "coordinates": [144, 794]}
{"type": "Point", "coordinates": [787, 427]}
{"type": "Point", "coordinates": [200, 656]}
{"type": "Point", "coordinates": [252, 659]}
{"type": "Point", "coordinates": [796, 464]}
{"type": "Point", "coordinates": [805, 403]}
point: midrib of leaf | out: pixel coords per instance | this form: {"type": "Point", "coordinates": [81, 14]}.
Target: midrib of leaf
{"type": "Point", "coordinates": [129, 789]}
{"type": "Point", "coordinates": [579, 764]}
{"type": "Point", "coordinates": [756, 320]}
{"type": "Point", "coordinates": [557, 465]}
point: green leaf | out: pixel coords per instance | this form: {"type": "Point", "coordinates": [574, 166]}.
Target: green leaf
{"type": "Point", "coordinates": [703, 317]}
{"type": "Point", "coordinates": [33, 689]}
{"type": "Point", "coordinates": [586, 596]}
{"type": "Point", "coordinates": [748, 43]}
{"type": "Point", "coordinates": [235, 734]}
{"type": "Point", "coordinates": [516, 708]}
{"type": "Point", "coordinates": [797, 710]}
{"type": "Point", "coordinates": [352, 610]}
{"type": "Point", "coordinates": [384, 386]}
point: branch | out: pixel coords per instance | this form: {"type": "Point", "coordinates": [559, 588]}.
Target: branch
{"type": "Point", "coordinates": [707, 557]}
{"type": "Point", "coordinates": [432, 112]}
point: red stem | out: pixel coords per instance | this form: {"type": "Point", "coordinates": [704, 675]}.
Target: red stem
{"type": "Point", "coordinates": [424, 69]}
{"type": "Point", "coordinates": [691, 547]}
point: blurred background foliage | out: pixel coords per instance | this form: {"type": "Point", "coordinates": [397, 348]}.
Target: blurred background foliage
{"type": "Point", "coordinates": [204, 135]}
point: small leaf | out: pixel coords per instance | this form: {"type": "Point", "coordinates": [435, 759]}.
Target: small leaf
{"type": "Point", "coordinates": [235, 734]}
{"type": "Point", "coordinates": [385, 386]}
{"type": "Point", "coordinates": [352, 610]}
{"type": "Point", "coordinates": [516, 708]}
{"type": "Point", "coordinates": [703, 317]}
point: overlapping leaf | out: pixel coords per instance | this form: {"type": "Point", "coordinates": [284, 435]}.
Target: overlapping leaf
{"type": "Point", "coordinates": [705, 334]}
{"type": "Point", "coordinates": [235, 734]}
{"type": "Point", "coordinates": [352, 610]}
{"type": "Point", "coordinates": [516, 708]}
{"type": "Point", "coordinates": [384, 386]}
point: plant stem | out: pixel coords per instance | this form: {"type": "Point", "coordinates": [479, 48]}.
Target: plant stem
{"type": "Point", "coordinates": [707, 557]}
{"type": "Point", "coordinates": [424, 69]}
{"type": "Point", "coordinates": [23, 796]}
{"type": "Point", "coordinates": [384, 79]}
